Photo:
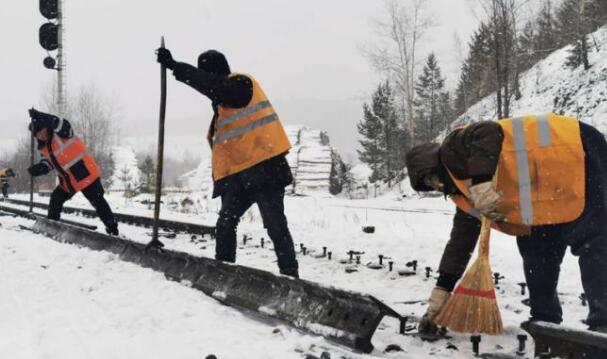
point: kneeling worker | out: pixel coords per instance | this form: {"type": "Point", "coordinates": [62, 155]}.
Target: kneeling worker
{"type": "Point", "coordinates": [76, 168]}
{"type": "Point", "coordinates": [550, 191]}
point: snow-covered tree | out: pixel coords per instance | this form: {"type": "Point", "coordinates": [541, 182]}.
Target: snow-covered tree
{"type": "Point", "coordinates": [384, 141]}
{"type": "Point", "coordinates": [432, 102]}
{"type": "Point", "coordinates": [148, 172]}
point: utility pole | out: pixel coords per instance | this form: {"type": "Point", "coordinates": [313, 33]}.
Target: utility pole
{"type": "Point", "coordinates": [61, 91]}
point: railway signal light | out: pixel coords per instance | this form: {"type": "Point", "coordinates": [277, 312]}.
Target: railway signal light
{"type": "Point", "coordinates": [49, 8]}
{"type": "Point", "coordinates": [49, 36]}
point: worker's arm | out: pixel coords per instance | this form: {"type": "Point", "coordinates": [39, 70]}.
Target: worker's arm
{"type": "Point", "coordinates": [457, 253]}
{"type": "Point", "coordinates": [234, 92]}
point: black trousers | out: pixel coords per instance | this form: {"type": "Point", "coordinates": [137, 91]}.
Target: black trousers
{"type": "Point", "coordinates": [94, 193]}
{"type": "Point", "coordinates": [270, 202]}
{"type": "Point", "coordinates": [544, 249]}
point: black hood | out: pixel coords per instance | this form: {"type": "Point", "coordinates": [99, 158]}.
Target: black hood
{"type": "Point", "coordinates": [421, 161]}
{"type": "Point", "coordinates": [214, 62]}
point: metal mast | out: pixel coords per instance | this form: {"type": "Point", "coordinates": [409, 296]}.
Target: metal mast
{"type": "Point", "coordinates": [61, 86]}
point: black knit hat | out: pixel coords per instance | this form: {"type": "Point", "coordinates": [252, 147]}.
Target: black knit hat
{"type": "Point", "coordinates": [215, 62]}
{"type": "Point", "coordinates": [423, 160]}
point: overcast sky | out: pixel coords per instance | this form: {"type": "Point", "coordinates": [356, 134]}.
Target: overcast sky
{"type": "Point", "coordinates": [305, 54]}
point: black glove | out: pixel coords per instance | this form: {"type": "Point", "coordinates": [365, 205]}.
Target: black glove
{"type": "Point", "coordinates": [164, 57]}
{"type": "Point", "coordinates": [39, 169]}
{"type": "Point", "coordinates": [9, 172]}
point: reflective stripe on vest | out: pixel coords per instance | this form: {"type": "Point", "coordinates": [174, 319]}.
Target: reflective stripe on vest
{"type": "Point", "coordinates": [522, 167]}
{"type": "Point", "coordinates": [249, 127]}
{"type": "Point", "coordinates": [63, 145]}
{"type": "Point", "coordinates": [244, 137]}
{"type": "Point", "coordinates": [248, 111]}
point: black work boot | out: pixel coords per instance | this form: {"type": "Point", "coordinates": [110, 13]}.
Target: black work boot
{"type": "Point", "coordinates": [291, 272]}
{"type": "Point", "coordinates": [112, 229]}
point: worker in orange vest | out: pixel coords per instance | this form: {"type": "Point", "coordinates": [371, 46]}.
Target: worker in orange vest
{"type": "Point", "coordinates": [76, 168]}
{"type": "Point", "coordinates": [249, 146]}
{"type": "Point", "coordinates": [4, 184]}
{"type": "Point", "coordinates": [541, 178]}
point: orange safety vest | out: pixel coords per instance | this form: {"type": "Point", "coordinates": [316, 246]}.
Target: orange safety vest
{"type": "Point", "coordinates": [540, 173]}
{"type": "Point", "coordinates": [75, 167]}
{"type": "Point", "coordinates": [244, 137]}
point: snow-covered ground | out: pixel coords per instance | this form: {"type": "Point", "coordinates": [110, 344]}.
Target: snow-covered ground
{"type": "Point", "coordinates": [124, 311]}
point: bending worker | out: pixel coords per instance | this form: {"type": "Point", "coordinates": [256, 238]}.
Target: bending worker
{"type": "Point", "coordinates": [550, 192]}
{"type": "Point", "coordinates": [4, 184]}
{"type": "Point", "coordinates": [76, 168]}
{"type": "Point", "coordinates": [248, 146]}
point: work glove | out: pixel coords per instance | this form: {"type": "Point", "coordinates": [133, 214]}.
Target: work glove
{"type": "Point", "coordinates": [39, 169]}
{"type": "Point", "coordinates": [437, 300]}
{"type": "Point", "coordinates": [164, 57]}
{"type": "Point", "coordinates": [486, 200]}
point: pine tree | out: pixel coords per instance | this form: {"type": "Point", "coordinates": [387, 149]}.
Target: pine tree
{"type": "Point", "coordinates": [575, 22]}
{"type": "Point", "coordinates": [546, 38]}
{"type": "Point", "coordinates": [148, 170]}
{"type": "Point", "coordinates": [384, 141]}
{"type": "Point", "coordinates": [430, 110]}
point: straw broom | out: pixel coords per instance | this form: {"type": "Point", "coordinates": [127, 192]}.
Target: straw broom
{"type": "Point", "coordinates": [472, 308]}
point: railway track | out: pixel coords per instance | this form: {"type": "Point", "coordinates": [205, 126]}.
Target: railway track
{"type": "Point", "coordinates": [140, 221]}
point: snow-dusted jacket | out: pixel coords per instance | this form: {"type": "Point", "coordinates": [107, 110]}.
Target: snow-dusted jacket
{"type": "Point", "coordinates": [66, 154]}
{"type": "Point", "coordinates": [234, 92]}
{"type": "Point", "coordinates": [540, 173]}
{"type": "Point", "coordinates": [472, 153]}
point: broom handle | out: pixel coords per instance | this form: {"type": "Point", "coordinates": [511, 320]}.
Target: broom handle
{"type": "Point", "coordinates": [484, 237]}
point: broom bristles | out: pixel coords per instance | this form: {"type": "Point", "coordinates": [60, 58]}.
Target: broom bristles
{"type": "Point", "coordinates": [472, 308]}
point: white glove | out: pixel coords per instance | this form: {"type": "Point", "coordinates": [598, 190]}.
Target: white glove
{"type": "Point", "coordinates": [486, 200]}
{"type": "Point", "coordinates": [437, 300]}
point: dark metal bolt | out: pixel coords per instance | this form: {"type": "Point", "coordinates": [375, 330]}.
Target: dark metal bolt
{"type": "Point", "coordinates": [381, 259]}
{"type": "Point", "coordinates": [496, 278]}
{"type": "Point", "coordinates": [357, 259]}
{"type": "Point", "coordinates": [351, 253]}
{"type": "Point", "coordinates": [522, 338]}
{"type": "Point", "coordinates": [301, 246]}
{"type": "Point", "coordinates": [262, 242]}
{"type": "Point", "coordinates": [324, 251]}
{"type": "Point", "coordinates": [428, 271]}
{"type": "Point", "coordinates": [412, 264]}
{"type": "Point", "coordinates": [475, 339]}
{"type": "Point", "coordinates": [523, 285]}
{"type": "Point", "coordinates": [403, 325]}
{"type": "Point", "coordinates": [244, 239]}
{"type": "Point", "coordinates": [583, 298]}
{"type": "Point", "coordinates": [390, 265]}
{"type": "Point", "coordinates": [329, 254]}
{"type": "Point", "coordinates": [304, 250]}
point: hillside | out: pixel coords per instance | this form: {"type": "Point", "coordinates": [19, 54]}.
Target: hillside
{"type": "Point", "coordinates": [550, 86]}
